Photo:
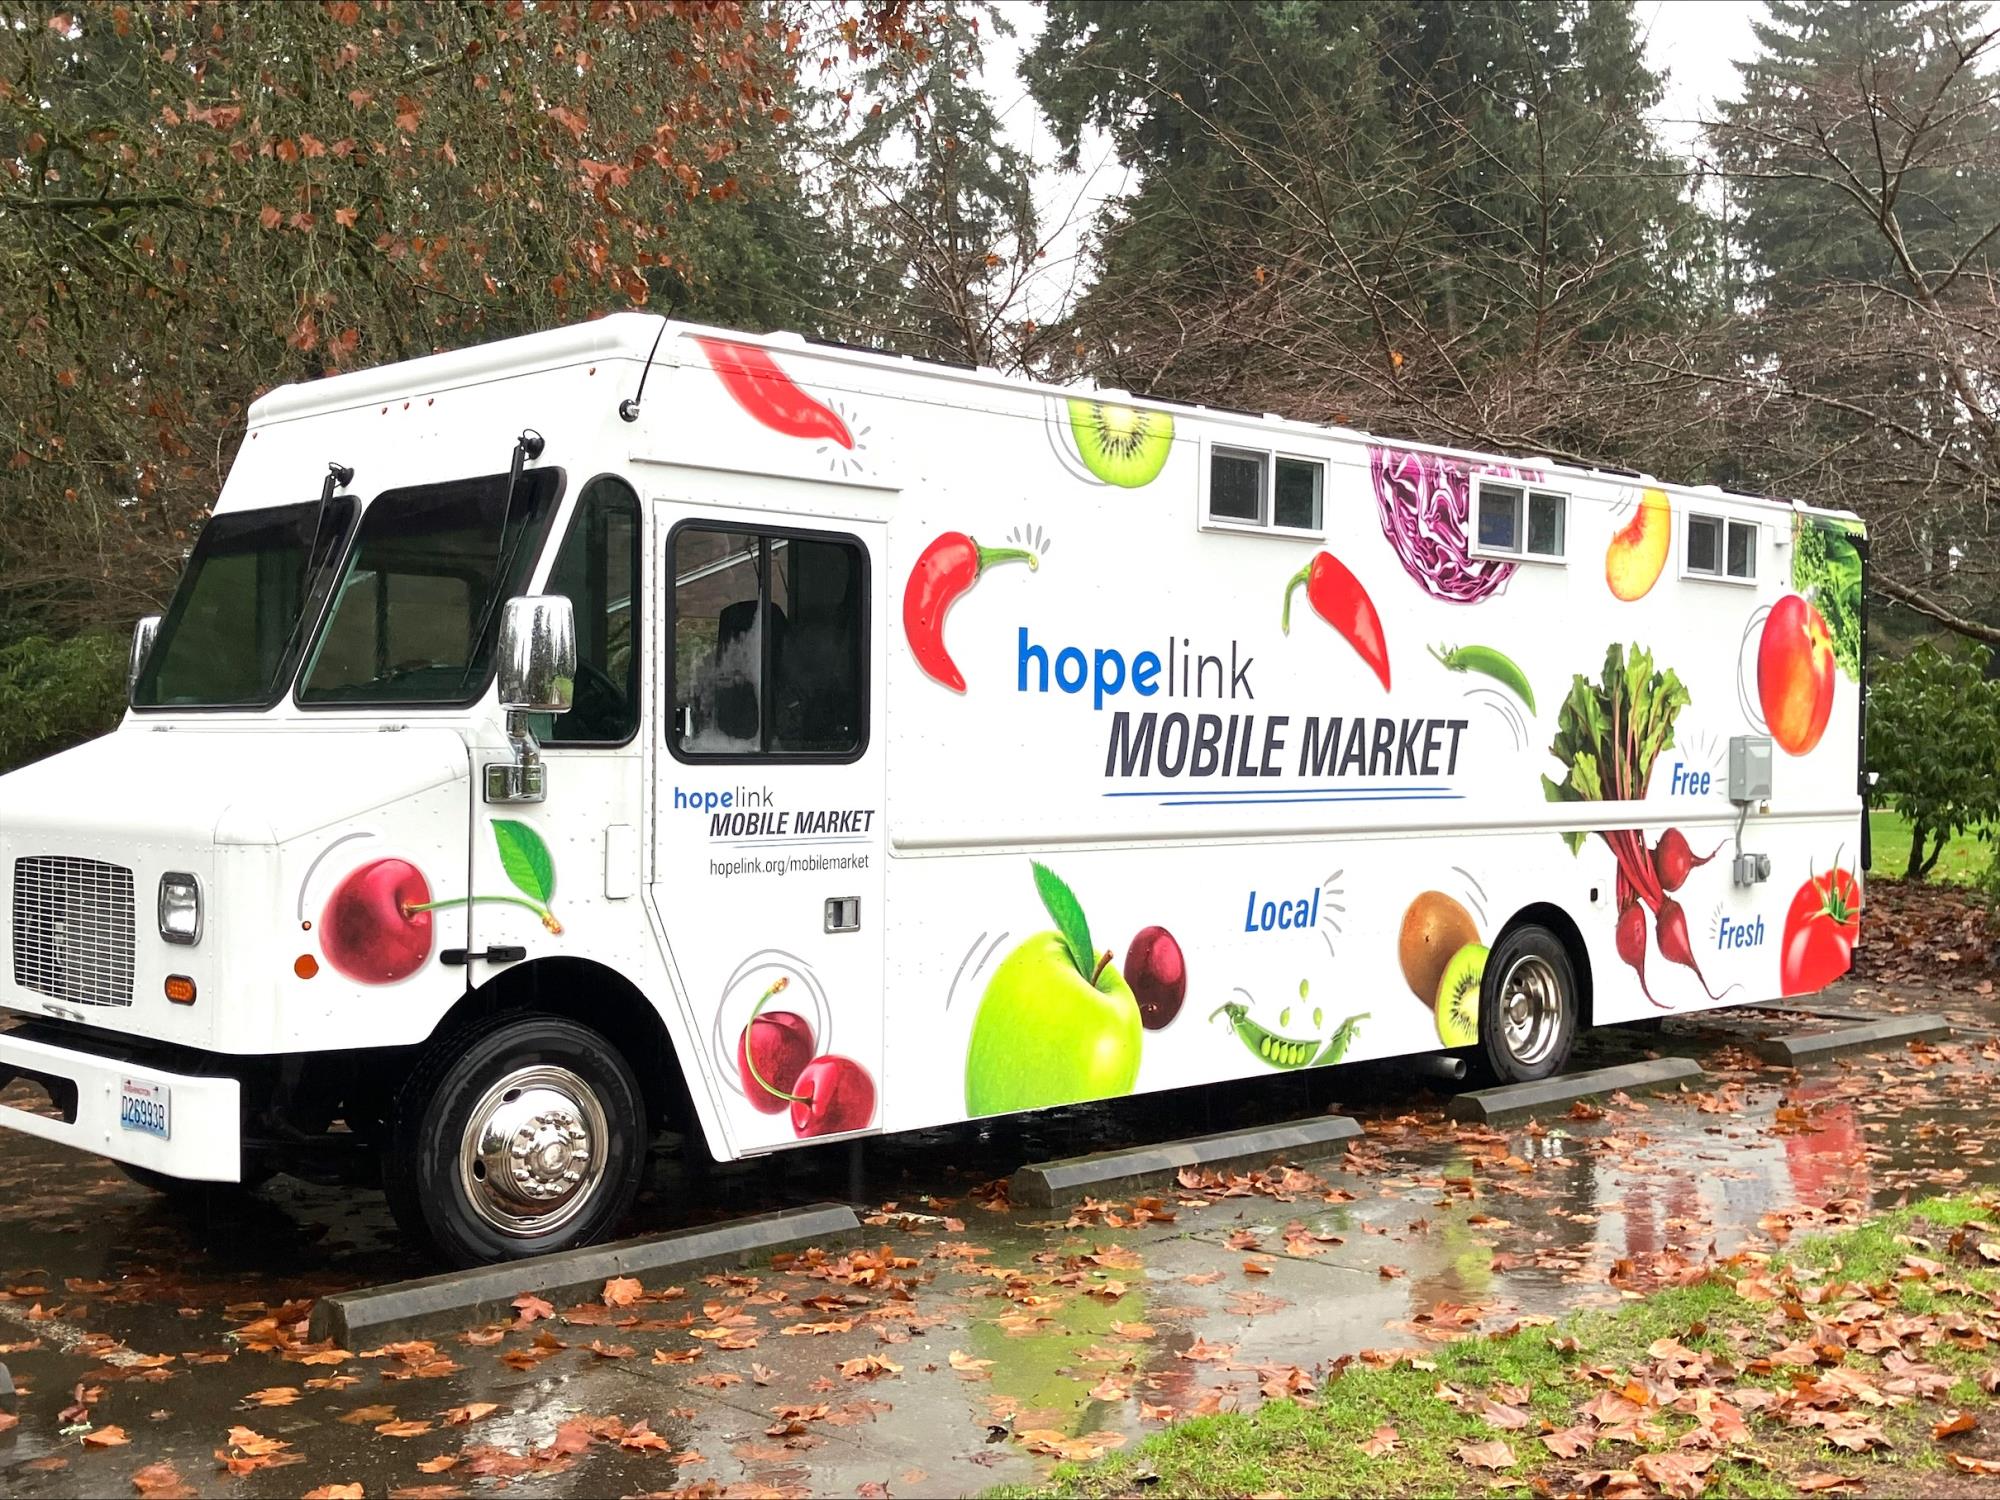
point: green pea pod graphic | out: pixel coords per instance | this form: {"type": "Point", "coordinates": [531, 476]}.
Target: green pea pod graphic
{"type": "Point", "coordinates": [1490, 663]}
{"type": "Point", "coordinates": [1284, 1051]}
{"type": "Point", "coordinates": [1342, 1038]}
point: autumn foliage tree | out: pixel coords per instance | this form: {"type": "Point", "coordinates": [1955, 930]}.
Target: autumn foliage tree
{"type": "Point", "coordinates": [200, 199]}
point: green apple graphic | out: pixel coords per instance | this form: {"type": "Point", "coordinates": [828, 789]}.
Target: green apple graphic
{"type": "Point", "coordinates": [1058, 1024]}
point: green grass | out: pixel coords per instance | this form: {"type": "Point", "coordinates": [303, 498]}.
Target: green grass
{"type": "Point", "coordinates": [1287, 1448]}
{"type": "Point", "coordinates": [1964, 859]}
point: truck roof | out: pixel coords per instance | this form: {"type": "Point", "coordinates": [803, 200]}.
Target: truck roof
{"type": "Point", "coordinates": [639, 337]}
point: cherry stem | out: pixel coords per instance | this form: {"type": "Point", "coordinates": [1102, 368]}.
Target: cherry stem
{"type": "Point", "coordinates": [750, 1051]}
{"type": "Point", "coordinates": [411, 908]}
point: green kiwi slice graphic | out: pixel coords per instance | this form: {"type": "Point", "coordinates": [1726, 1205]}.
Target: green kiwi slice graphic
{"type": "Point", "coordinates": [1457, 1004]}
{"type": "Point", "coordinates": [1121, 445]}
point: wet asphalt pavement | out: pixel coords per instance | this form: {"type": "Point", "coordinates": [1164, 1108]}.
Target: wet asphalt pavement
{"type": "Point", "coordinates": [970, 1344]}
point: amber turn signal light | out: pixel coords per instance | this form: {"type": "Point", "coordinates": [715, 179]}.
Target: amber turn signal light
{"type": "Point", "coordinates": [180, 989]}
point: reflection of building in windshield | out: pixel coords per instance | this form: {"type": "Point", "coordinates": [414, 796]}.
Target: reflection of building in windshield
{"type": "Point", "coordinates": [769, 638]}
{"type": "Point", "coordinates": [719, 642]}
{"type": "Point", "coordinates": [723, 709]}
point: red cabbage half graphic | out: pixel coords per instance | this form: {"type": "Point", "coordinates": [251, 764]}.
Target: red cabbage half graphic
{"type": "Point", "coordinates": [1426, 505]}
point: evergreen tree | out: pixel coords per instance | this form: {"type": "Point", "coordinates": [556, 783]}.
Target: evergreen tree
{"type": "Point", "coordinates": [1427, 216]}
{"type": "Point", "coordinates": [1863, 165]}
{"type": "Point", "coordinates": [938, 207]}
{"type": "Point", "coordinates": [1834, 90]}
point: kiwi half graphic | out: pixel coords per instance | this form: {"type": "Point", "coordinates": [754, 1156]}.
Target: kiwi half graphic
{"type": "Point", "coordinates": [1121, 445]}
{"type": "Point", "coordinates": [1458, 996]}
{"type": "Point", "coordinates": [1434, 928]}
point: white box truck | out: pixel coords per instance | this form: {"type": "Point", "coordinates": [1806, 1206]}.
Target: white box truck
{"type": "Point", "coordinates": [553, 735]}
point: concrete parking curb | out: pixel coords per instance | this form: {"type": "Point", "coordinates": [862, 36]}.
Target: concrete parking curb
{"type": "Point", "coordinates": [1518, 1101]}
{"type": "Point", "coordinates": [1049, 1184]}
{"type": "Point", "coordinates": [463, 1299]}
{"type": "Point", "coordinates": [1876, 1036]}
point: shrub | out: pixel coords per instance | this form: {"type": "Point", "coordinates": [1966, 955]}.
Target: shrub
{"type": "Point", "coordinates": [1934, 740]}
{"type": "Point", "coordinates": [58, 693]}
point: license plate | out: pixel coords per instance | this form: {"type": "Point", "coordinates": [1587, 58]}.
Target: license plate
{"type": "Point", "coordinates": [146, 1107]}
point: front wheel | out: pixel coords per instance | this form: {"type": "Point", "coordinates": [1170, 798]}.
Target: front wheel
{"type": "Point", "coordinates": [1528, 1007]}
{"type": "Point", "coordinates": [523, 1135]}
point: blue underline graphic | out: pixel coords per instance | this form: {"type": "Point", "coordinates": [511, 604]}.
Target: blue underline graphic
{"type": "Point", "coordinates": [1290, 791]}
{"type": "Point", "coordinates": [808, 839]}
{"type": "Point", "coordinates": [1280, 801]}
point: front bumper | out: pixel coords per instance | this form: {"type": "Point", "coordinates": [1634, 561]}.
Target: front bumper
{"type": "Point", "coordinates": [205, 1140]}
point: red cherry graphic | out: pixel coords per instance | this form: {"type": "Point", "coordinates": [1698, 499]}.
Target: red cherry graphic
{"type": "Point", "coordinates": [370, 931]}
{"type": "Point", "coordinates": [831, 1095]}
{"type": "Point", "coordinates": [770, 1054]}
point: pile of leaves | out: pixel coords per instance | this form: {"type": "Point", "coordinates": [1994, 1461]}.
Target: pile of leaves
{"type": "Point", "coordinates": [1918, 932]}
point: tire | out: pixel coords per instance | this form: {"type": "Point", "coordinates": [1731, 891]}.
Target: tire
{"type": "Point", "coordinates": [1527, 1008]}
{"type": "Point", "coordinates": [530, 1081]}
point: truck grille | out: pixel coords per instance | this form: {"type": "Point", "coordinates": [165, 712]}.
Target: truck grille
{"type": "Point", "coordinates": [73, 929]}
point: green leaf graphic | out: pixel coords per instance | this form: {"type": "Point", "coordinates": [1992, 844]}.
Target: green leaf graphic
{"type": "Point", "coordinates": [526, 859]}
{"type": "Point", "coordinates": [1067, 913]}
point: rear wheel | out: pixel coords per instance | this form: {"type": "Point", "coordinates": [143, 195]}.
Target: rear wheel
{"type": "Point", "coordinates": [1527, 1008]}
{"type": "Point", "coordinates": [516, 1137]}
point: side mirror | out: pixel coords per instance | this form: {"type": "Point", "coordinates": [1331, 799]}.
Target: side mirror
{"type": "Point", "coordinates": [537, 654]}
{"type": "Point", "coordinates": [143, 635]}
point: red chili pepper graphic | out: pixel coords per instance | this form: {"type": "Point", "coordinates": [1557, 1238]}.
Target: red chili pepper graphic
{"type": "Point", "coordinates": [949, 566]}
{"type": "Point", "coordinates": [1339, 599]}
{"type": "Point", "coordinates": [770, 395]}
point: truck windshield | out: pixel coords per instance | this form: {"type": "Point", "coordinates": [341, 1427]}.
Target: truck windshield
{"type": "Point", "coordinates": [228, 639]}
{"type": "Point", "coordinates": [426, 561]}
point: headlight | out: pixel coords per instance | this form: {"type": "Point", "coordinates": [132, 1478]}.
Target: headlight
{"type": "Point", "coordinates": [180, 908]}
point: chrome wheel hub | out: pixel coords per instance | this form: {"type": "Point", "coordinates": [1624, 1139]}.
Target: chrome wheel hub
{"type": "Point", "coordinates": [533, 1152]}
{"type": "Point", "coordinates": [1531, 1005]}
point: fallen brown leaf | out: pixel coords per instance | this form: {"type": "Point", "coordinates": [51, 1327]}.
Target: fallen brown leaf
{"type": "Point", "coordinates": [1682, 1474]}
{"type": "Point", "coordinates": [162, 1481]}
{"type": "Point", "coordinates": [1953, 1425]}
{"type": "Point", "coordinates": [106, 1437]}
{"type": "Point", "coordinates": [1382, 1440]}
{"type": "Point", "coordinates": [1488, 1455]}
{"type": "Point", "coordinates": [529, 1307]}
{"type": "Point", "coordinates": [622, 1291]}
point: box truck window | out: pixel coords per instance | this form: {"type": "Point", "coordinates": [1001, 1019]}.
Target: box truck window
{"type": "Point", "coordinates": [412, 620]}
{"type": "Point", "coordinates": [769, 644]}
{"type": "Point", "coordinates": [1719, 548]}
{"type": "Point", "coordinates": [1510, 520]}
{"type": "Point", "coordinates": [1247, 487]}
{"type": "Point", "coordinates": [230, 637]}
{"type": "Point", "coordinates": [598, 571]}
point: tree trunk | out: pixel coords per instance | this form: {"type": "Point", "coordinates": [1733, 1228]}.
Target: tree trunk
{"type": "Point", "coordinates": [1919, 866]}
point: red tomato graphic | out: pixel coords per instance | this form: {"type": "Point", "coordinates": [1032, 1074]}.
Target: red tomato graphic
{"type": "Point", "coordinates": [1820, 929]}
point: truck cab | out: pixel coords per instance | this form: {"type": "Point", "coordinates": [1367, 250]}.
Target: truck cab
{"type": "Point", "coordinates": [364, 884]}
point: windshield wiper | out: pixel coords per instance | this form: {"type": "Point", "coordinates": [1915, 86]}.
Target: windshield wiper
{"type": "Point", "coordinates": [338, 476]}
{"type": "Point", "coordinates": [527, 446]}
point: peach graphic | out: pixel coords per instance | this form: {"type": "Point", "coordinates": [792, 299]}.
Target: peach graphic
{"type": "Point", "coordinates": [1638, 551]}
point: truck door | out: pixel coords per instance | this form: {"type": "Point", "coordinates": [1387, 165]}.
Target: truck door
{"type": "Point", "coordinates": [768, 832]}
